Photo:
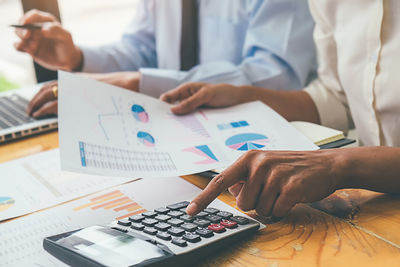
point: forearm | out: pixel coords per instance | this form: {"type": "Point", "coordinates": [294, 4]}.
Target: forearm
{"type": "Point", "coordinates": [372, 168]}
{"type": "Point", "coordinates": [292, 105]}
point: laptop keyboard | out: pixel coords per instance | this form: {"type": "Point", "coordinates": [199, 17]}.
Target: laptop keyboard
{"type": "Point", "coordinates": [13, 111]}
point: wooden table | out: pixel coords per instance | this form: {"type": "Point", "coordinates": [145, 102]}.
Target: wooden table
{"type": "Point", "coordinates": [350, 228]}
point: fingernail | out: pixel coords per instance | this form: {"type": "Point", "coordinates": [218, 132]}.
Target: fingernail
{"type": "Point", "coordinates": [192, 208]}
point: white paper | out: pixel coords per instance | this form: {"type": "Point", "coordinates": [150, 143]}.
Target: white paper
{"type": "Point", "coordinates": [21, 239]}
{"type": "Point", "coordinates": [107, 130]}
{"type": "Point", "coordinates": [36, 182]}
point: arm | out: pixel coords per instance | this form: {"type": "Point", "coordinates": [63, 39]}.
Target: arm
{"type": "Point", "coordinates": [288, 104]}
{"type": "Point", "coordinates": [136, 48]}
{"type": "Point", "coordinates": [272, 182]}
{"type": "Point", "coordinates": [278, 52]}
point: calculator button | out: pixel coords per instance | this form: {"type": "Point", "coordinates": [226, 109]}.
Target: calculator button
{"type": "Point", "coordinates": [190, 227]}
{"type": "Point", "coordinates": [240, 220]}
{"type": "Point", "coordinates": [162, 210]}
{"type": "Point", "coordinates": [136, 218]}
{"type": "Point", "coordinates": [164, 236]}
{"type": "Point", "coordinates": [201, 222]}
{"type": "Point", "coordinates": [150, 230]}
{"type": "Point", "coordinates": [178, 206]}
{"type": "Point", "coordinates": [211, 210]}
{"type": "Point", "coordinates": [175, 213]}
{"type": "Point", "coordinates": [213, 218]}
{"type": "Point", "coordinates": [176, 231]}
{"type": "Point", "coordinates": [162, 226]}
{"type": "Point", "coordinates": [149, 214]}
{"type": "Point", "coordinates": [124, 222]}
{"type": "Point", "coordinates": [229, 224]}
{"type": "Point", "coordinates": [192, 238]}
{"type": "Point", "coordinates": [149, 222]}
{"type": "Point", "coordinates": [225, 214]}
{"type": "Point", "coordinates": [186, 218]}
{"type": "Point", "coordinates": [175, 222]}
{"type": "Point", "coordinates": [162, 218]}
{"type": "Point", "coordinates": [137, 226]}
{"type": "Point", "coordinates": [203, 232]}
{"type": "Point", "coordinates": [179, 242]}
{"type": "Point", "coordinates": [201, 214]}
{"type": "Point", "coordinates": [216, 228]}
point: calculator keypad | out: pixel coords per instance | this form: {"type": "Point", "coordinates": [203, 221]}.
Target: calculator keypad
{"type": "Point", "coordinates": [172, 224]}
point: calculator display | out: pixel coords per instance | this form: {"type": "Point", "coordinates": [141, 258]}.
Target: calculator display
{"type": "Point", "coordinates": [110, 247]}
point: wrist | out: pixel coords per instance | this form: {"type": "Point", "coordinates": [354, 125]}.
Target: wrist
{"type": "Point", "coordinates": [76, 63]}
{"type": "Point", "coordinates": [135, 81]}
{"type": "Point", "coordinates": [247, 94]}
{"type": "Point", "coordinates": [349, 167]}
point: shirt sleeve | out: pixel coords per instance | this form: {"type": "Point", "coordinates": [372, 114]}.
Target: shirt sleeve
{"type": "Point", "coordinates": [136, 48]}
{"type": "Point", "coordinates": [278, 53]}
{"type": "Point", "coordinates": [327, 91]}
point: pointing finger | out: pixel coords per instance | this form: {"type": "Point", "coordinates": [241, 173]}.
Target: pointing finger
{"type": "Point", "coordinates": [221, 182]}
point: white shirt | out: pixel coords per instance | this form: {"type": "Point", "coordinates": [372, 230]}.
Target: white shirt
{"type": "Point", "coordinates": [266, 43]}
{"type": "Point", "coordinates": [358, 44]}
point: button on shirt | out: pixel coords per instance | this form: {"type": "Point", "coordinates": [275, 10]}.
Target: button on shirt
{"type": "Point", "coordinates": [358, 55]}
{"type": "Point", "coordinates": [266, 43]}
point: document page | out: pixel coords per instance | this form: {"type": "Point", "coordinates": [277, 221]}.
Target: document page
{"type": "Point", "coordinates": [21, 240]}
{"type": "Point", "coordinates": [107, 130]}
{"type": "Point", "coordinates": [36, 182]}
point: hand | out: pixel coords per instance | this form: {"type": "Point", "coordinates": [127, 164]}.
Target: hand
{"type": "Point", "coordinates": [194, 95]}
{"type": "Point", "coordinates": [272, 182]}
{"type": "Point", "coordinates": [52, 46]}
{"type": "Point", "coordinates": [44, 103]}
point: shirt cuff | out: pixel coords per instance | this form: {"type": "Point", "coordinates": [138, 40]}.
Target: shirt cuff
{"type": "Point", "coordinates": [92, 62]}
{"type": "Point", "coordinates": [332, 112]}
{"type": "Point", "coordinates": [154, 82]}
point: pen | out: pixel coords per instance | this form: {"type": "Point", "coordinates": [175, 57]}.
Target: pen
{"type": "Point", "coordinates": [32, 26]}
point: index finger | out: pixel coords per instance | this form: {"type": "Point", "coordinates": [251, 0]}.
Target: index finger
{"type": "Point", "coordinates": [35, 16]}
{"type": "Point", "coordinates": [181, 92]}
{"type": "Point", "coordinates": [235, 173]}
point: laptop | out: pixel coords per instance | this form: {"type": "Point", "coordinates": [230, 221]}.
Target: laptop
{"type": "Point", "coordinates": [14, 122]}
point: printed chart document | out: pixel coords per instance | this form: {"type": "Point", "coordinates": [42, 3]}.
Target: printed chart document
{"type": "Point", "coordinates": [21, 239]}
{"type": "Point", "coordinates": [107, 130]}
{"type": "Point", "coordinates": [36, 182]}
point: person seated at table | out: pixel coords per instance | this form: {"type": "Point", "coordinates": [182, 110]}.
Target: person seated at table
{"type": "Point", "coordinates": [264, 43]}
{"type": "Point", "coordinates": [357, 51]}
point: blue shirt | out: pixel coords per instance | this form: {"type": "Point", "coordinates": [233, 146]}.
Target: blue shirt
{"type": "Point", "coordinates": [243, 42]}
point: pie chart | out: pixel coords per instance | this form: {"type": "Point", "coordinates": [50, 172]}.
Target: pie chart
{"type": "Point", "coordinates": [247, 141]}
{"type": "Point", "coordinates": [6, 202]}
{"type": "Point", "coordinates": [139, 113]}
{"type": "Point", "coordinates": [146, 139]}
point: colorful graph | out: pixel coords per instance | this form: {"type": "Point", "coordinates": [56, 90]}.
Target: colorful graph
{"type": "Point", "coordinates": [232, 125]}
{"type": "Point", "coordinates": [146, 139]}
{"type": "Point", "coordinates": [139, 113]}
{"type": "Point", "coordinates": [203, 151]}
{"type": "Point", "coordinates": [116, 201]}
{"type": "Point", "coordinates": [247, 141]}
{"type": "Point", "coordinates": [192, 123]}
{"type": "Point", "coordinates": [6, 203]}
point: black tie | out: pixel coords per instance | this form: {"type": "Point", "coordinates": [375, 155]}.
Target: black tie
{"type": "Point", "coordinates": [189, 37]}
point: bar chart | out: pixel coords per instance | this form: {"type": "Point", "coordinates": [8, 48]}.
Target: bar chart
{"type": "Point", "coordinates": [115, 201]}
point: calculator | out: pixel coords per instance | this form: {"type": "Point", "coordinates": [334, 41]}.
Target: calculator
{"type": "Point", "coordinates": [166, 236]}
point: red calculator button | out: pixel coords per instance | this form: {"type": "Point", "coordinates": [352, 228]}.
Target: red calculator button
{"type": "Point", "coordinates": [216, 228]}
{"type": "Point", "coordinates": [228, 224]}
